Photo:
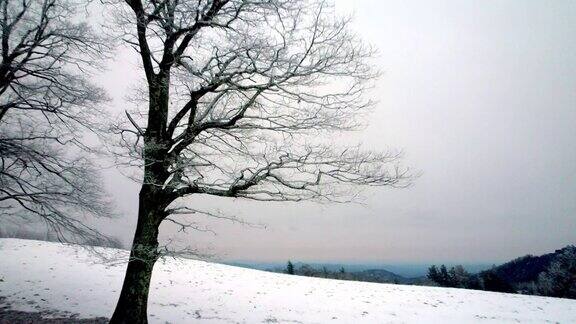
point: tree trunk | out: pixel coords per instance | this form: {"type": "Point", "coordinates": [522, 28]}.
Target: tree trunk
{"type": "Point", "coordinates": [132, 304]}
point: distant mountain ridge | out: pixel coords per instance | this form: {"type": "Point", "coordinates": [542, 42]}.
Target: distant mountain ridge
{"type": "Point", "coordinates": [380, 275]}
{"type": "Point", "coordinates": [517, 275]}
{"type": "Point", "coordinates": [406, 270]}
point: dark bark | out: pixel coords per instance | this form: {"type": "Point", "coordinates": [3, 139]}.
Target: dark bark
{"type": "Point", "coordinates": [132, 303]}
{"type": "Point", "coordinates": [3, 111]}
{"type": "Point", "coordinates": [131, 307]}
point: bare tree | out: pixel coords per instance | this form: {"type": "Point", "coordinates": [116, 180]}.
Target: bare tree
{"type": "Point", "coordinates": [46, 106]}
{"type": "Point", "coordinates": [242, 96]}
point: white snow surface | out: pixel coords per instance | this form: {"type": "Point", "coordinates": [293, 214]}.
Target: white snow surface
{"type": "Point", "coordinates": [39, 275]}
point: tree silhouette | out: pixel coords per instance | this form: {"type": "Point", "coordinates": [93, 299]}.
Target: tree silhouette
{"type": "Point", "coordinates": [239, 95]}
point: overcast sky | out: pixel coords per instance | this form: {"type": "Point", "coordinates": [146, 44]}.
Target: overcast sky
{"type": "Point", "coordinates": [482, 97]}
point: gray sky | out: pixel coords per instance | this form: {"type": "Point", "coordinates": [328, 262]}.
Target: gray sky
{"type": "Point", "coordinates": [482, 97]}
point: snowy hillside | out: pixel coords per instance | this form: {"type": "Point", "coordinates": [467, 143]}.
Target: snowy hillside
{"type": "Point", "coordinates": [43, 276]}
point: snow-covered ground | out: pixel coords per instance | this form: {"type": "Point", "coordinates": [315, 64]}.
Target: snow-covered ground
{"type": "Point", "coordinates": [51, 276]}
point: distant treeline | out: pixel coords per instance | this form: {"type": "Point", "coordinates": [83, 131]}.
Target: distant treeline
{"type": "Point", "coordinates": [552, 274]}
{"type": "Point", "coordinates": [375, 275]}
{"type": "Point", "coordinates": [309, 271]}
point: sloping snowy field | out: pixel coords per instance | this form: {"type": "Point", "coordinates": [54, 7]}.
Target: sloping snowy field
{"type": "Point", "coordinates": [51, 276]}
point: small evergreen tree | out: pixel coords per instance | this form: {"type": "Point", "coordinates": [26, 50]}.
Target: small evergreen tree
{"type": "Point", "coordinates": [290, 268]}
{"type": "Point", "coordinates": [444, 276]}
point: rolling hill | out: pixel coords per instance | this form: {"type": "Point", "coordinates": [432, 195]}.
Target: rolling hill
{"type": "Point", "coordinates": [65, 279]}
